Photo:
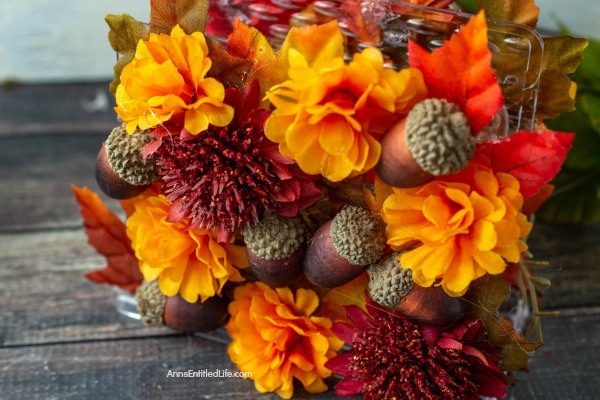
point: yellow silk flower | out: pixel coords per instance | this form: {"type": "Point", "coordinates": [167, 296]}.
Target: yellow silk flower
{"type": "Point", "coordinates": [329, 115]}
{"type": "Point", "coordinates": [189, 262]}
{"type": "Point", "coordinates": [166, 81]}
{"type": "Point", "coordinates": [465, 229]}
{"type": "Point", "coordinates": [276, 338]}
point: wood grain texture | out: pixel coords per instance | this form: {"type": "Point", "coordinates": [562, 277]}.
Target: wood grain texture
{"type": "Point", "coordinates": [124, 369]}
{"type": "Point", "coordinates": [60, 336]}
{"type": "Point", "coordinates": [137, 368]}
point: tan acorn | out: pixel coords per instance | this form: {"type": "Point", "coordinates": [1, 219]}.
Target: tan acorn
{"type": "Point", "coordinates": [391, 285]}
{"type": "Point", "coordinates": [433, 140]}
{"type": "Point", "coordinates": [343, 247]}
{"type": "Point", "coordinates": [121, 170]}
{"type": "Point", "coordinates": [157, 309]}
{"type": "Point", "coordinates": [275, 247]}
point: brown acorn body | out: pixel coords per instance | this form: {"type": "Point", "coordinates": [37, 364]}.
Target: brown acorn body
{"type": "Point", "coordinates": [323, 266]}
{"type": "Point", "coordinates": [195, 317]}
{"type": "Point", "coordinates": [111, 183]}
{"type": "Point", "coordinates": [431, 305]}
{"type": "Point", "coordinates": [277, 273]}
{"type": "Point", "coordinates": [397, 167]}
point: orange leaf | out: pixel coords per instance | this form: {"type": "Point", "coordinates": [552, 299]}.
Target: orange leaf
{"type": "Point", "coordinates": [190, 15]}
{"type": "Point", "coordinates": [461, 72]}
{"type": "Point", "coordinates": [106, 233]}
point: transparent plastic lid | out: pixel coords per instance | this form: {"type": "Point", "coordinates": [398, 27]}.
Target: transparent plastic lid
{"type": "Point", "coordinates": [388, 25]}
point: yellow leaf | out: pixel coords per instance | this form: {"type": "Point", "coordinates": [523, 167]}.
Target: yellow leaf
{"type": "Point", "coordinates": [524, 12]}
{"type": "Point", "coordinates": [190, 15]}
{"type": "Point", "coordinates": [124, 35]}
{"type": "Point", "coordinates": [562, 56]}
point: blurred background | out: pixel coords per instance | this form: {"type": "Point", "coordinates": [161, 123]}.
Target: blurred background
{"type": "Point", "coordinates": [44, 41]}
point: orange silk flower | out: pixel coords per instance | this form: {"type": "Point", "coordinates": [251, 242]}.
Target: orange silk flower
{"type": "Point", "coordinates": [166, 81]}
{"type": "Point", "coordinates": [189, 262]}
{"type": "Point", "coordinates": [329, 115]}
{"type": "Point", "coordinates": [276, 338]}
{"type": "Point", "coordinates": [467, 225]}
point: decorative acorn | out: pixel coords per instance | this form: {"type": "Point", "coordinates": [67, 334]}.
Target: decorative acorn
{"type": "Point", "coordinates": [434, 139]}
{"type": "Point", "coordinates": [341, 249]}
{"type": "Point", "coordinates": [275, 247]}
{"type": "Point", "coordinates": [392, 286]}
{"type": "Point", "coordinates": [121, 170]}
{"type": "Point", "coordinates": [157, 309]}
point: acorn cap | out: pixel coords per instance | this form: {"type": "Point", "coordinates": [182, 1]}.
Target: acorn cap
{"type": "Point", "coordinates": [357, 236]}
{"type": "Point", "coordinates": [124, 153]}
{"type": "Point", "coordinates": [275, 237]}
{"type": "Point", "coordinates": [150, 303]}
{"type": "Point", "coordinates": [439, 137]}
{"type": "Point", "coordinates": [389, 281]}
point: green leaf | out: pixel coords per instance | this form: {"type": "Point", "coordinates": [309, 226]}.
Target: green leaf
{"type": "Point", "coordinates": [577, 202]}
{"type": "Point", "coordinates": [124, 35]}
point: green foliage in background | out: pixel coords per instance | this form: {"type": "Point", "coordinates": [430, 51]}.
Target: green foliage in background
{"type": "Point", "coordinates": [577, 194]}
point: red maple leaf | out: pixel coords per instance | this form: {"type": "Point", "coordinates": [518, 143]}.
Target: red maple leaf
{"type": "Point", "coordinates": [106, 233]}
{"type": "Point", "coordinates": [461, 72]}
{"type": "Point", "coordinates": [534, 158]}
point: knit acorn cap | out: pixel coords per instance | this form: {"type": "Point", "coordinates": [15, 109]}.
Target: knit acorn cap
{"type": "Point", "coordinates": [151, 303]}
{"type": "Point", "coordinates": [124, 153]}
{"type": "Point", "coordinates": [357, 236]}
{"type": "Point", "coordinates": [275, 237]}
{"type": "Point", "coordinates": [389, 282]}
{"type": "Point", "coordinates": [439, 137]}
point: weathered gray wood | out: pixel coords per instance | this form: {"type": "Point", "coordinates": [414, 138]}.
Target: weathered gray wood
{"type": "Point", "coordinates": [35, 176]}
{"type": "Point", "coordinates": [566, 368]}
{"type": "Point", "coordinates": [574, 253]}
{"type": "Point", "coordinates": [45, 297]}
{"type": "Point", "coordinates": [43, 109]}
{"type": "Point", "coordinates": [125, 369]}
{"type": "Point", "coordinates": [61, 337]}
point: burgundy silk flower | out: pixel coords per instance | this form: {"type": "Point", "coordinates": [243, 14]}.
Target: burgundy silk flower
{"type": "Point", "coordinates": [225, 178]}
{"type": "Point", "coordinates": [396, 357]}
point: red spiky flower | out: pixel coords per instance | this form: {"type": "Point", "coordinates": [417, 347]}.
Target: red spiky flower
{"type": "Point", "coordinates": [394, 357]}
{"type": "Point", "coordinates": [227, 177]}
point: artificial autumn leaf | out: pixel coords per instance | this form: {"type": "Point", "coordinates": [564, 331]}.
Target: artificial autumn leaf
{"type": "Point", "coordinates": [483, 299]}
{"type": "Point", "coordinates": [562, 56]}
{"type": "Point", "coordinates": [533, 203]}
{"type": "Point", "coordinates": [349, 191]}
{"type": "Point", "coordinates": [460, 72]}
{"type": "Point", "coordinates": [248, 43]}
{"type": "Point", "coordinates": [534, 158]}
{"type": "Point", "coordinates": [374, 199]}
{"type": "Point", "coordinates": [190, 15]}
{"type": "Point", "coordinates": [107, 234]}
{"type": "Point", "coordinates": [124, 35]}
{"type": "Point", "coordinates": [524, 12]}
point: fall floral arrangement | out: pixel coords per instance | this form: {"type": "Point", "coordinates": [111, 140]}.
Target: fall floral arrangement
{"type": "Point", "coordinates": [308, 192]}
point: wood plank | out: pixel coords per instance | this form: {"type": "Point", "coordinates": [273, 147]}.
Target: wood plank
{"type": "Point", "coordinates": [566, 368]}
{"type": "Point", "coordinates": [35, 173]}
{"type": "Point", "coordinates": [126, 369]}
{"type": "Point", "coordinates": [45, 297]}
{"type": "Point", "coordinates": [573, 252]}
{"type": "Point", "coordinates": [42, 109]}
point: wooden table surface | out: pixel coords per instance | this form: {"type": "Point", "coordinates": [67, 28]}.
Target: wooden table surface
{"type": "Point", "coordinates": [60, 336]}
